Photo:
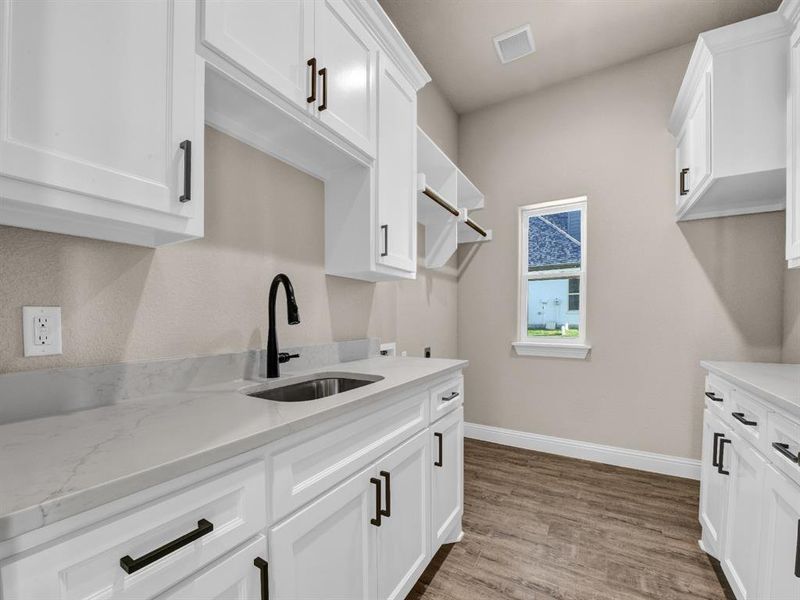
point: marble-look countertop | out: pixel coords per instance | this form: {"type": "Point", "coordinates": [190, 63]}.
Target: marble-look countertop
{"type": "Point", "coordinates": [55, 467]}
{"type": "Point", "coordinates": [779, 383]}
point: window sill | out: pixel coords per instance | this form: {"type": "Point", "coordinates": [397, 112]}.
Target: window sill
{"type": "Point", "coordinates": [579, 351]}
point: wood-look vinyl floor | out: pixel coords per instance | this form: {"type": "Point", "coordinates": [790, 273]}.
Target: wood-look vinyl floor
{"type": "Point", "coordinates": [539, 526]}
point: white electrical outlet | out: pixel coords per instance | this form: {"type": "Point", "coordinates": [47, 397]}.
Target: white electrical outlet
{"type": "Point", "coordinates": [41, 330]}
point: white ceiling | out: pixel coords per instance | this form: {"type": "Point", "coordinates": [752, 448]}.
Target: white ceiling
{"type": "Point", "coordinates": [453, 38]}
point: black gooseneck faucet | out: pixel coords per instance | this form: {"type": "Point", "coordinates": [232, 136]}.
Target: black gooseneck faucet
{"type": "Point", "coordinates": [273, 357]}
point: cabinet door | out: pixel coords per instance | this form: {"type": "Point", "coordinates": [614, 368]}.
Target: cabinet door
{"type": "Point", "coordinates": [700, 133]}
{"type": "Point", "coordinates": [793, 175]}
{"type": "Point", "coordinates": [272, 40]}
{"type": "Point", "coordinates": [447, 476]}
{"type": "Point", "coordinates": [97, 98]}
{"type": "Point", "coordinates": [740, 543]}
{"type": "Point", "coordinates": [780, 546]}
{"type": "Point", "coordinates": [235, 577]}
{"type": "Point", "coordinates": [397, 169]}
{"type": "Point", "coordinates": [713, 484]}
{"type": "Point", "coordinates": [403, 536]}
{"type": "Point", "coordinates": [347, 56]}
{"type": "Point", "coordinates": [327, 550]}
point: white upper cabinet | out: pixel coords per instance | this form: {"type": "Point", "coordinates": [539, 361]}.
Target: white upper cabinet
{"type": "Point", "coordinates": [346, 60]}
{"type": "Point", "coordinates": [397, 169]}
{"type": "Point", "coordinates": [101, 125]}
{"type": "Point", "coordinates": [791, 10]}
{"type": "Point", "coordinates": [729, 121]}
{"type": "Point", "coordinates": [271, 41]}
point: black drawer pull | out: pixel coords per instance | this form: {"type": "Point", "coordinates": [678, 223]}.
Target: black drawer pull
{"type": "Point", "coordinates": [720, 467]}
{"type": "Point", "coordinates": [385, 229]}
{"type": "Point", "coordinates": [324, 74]}
{"type": "Point", "coordinates": [452, 396]}
{"type": "Point", "coordinates": [797, 553]}
{"type": "Point", "coordinates": [714, 458]}
{"type": "Point", "coordinates": [377, 520]}
{"type": "Point", "coordinates": [784, 449]}
{"type": "Point", "coordinates": [439, 462]}
{"type": "Point", "coordinates": [387, 512]}
{"type": "Point", "coordinates": [186, 146]}
{"type": "Point", "coordinates": [312, 62]}
{"type": "Point", "coordinates": [263, 566]}
{"type": "Point", "coordinates": [739, 416]}
{"type": "Point", "coordinates": [131, 565]}
{"type": "Point", "coordinates": [714, 397]}
{"type": "Point", "coordinates": [684, 190]}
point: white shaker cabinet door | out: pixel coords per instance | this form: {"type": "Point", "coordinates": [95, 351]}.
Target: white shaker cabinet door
{"type": "Point", "coordinates": [327, 550]}
{"type": "Point", "coordinates": [741, 542]}
{"type": "Point", "coordinates": [403, 536]}
{"type": "Point", "coordinates": [397, 169]}
{"type": "Point", "coordinates": [793, 168]}
{"type": "Point", "coordinates": [346, 58]}
{"type": "Point", "coordinates": [447, 475]}
{"type": "Point", "coordinates": [272, 40]}
{"type": "Point", "coordinates": [97, 98]}
{"type": "Point", "coordinates": [713, 484]}
{"type": "Point", "coordinates": [780, 560]}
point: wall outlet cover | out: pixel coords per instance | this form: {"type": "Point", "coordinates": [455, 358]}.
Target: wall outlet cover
{"type": "Point", "coordinates": [41, 330]}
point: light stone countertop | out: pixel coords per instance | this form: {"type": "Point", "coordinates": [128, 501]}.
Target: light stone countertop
{"type": "Point", "coordinates": [779, 383]}
{"type": "Point", "coordinates": [55, 467]}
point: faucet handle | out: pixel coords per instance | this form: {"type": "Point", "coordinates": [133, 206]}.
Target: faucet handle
{"type": "Point", "coordinates": [284, 357]}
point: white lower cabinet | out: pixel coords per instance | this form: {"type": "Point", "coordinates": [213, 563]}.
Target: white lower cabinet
{"type": "Point", "coordinates": [780, 541]}
{"type": "Point", "coordinates": [447, 475]}
{"type": "Point", "coordinates": [236, 577]}
{"type": "Point", "coordinates": [750, 496]}
{"type": "Point", "coordinates": [327, 549]}
{"type": "Point", "coordinates": [714, 492]}
{"type": "Point", "coordinates": [378, 506]}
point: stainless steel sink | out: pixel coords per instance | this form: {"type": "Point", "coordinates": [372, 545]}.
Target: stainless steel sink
{"type": "Point", "coordinates": [301, 389]}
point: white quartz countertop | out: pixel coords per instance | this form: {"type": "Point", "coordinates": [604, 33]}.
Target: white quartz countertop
{"type": "Point", "coordinates": [55, 467]}
{"type": "Point", "coordinates": [776, 382]}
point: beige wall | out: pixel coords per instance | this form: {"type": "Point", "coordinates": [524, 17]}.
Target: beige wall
{"type": "Point", "coordinates": [209, 296]}
{"type": "Point", "coordinates": [661, 296]}
{"type": "Point", "coordinates": [791, 316]}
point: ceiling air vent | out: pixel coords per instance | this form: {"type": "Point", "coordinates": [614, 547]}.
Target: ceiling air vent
{"type": "Point", "coordinates": [514, 44]}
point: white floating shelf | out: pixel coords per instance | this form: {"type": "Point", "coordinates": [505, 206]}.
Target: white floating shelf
{"type": "Point", "coordinates": [445, 196]}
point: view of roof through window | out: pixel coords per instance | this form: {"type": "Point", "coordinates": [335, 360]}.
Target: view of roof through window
{"type": "Point", "coordinates": [554, 241]}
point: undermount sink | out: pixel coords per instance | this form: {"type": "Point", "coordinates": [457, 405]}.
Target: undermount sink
{"type": "Point", "coordinates": [313, 387]}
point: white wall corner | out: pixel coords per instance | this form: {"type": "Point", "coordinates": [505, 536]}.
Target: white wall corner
{"type": "Point", "coordinates": [611, 455]}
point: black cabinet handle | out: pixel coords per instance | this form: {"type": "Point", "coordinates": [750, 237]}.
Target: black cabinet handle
{"type": "Point", "coordinates": [714, 397]}
{"type": "Point", "coordinates": [385, 229]}
{"type": "Point", "coordinates": [714, 459]}
{"type": "Point", "coordinates": [739, 416]}
{"type": "Point", "coordinates": [131, 565]}
{"type": "Point", "coordinates": [784, 449]}
{"type": "Point", "coordinates": [452, 396]}
{"type": "Point", "coordinates": [387, 512]}
{"type": "Point", "coordinates": [263, 566]}
{"type": "Point", "coordinates": [324, 73]}
{"type": "Point", "coordinates": [684, 189]}
{"type": "Point", "coordinates": [439, 462]}
{"type": "Point", "coordinates": [720, 465]}
{"type": "Point", "coordinates": [797, 553]}
{"type": "Point", "coordinates": [377, 520]}
{"type": "Point", "coordinates": [186, 146]}
{"type": "Point", "coordinates": [312, 62]}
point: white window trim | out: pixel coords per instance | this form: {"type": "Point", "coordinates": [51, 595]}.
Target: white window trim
{"type": "Point", "coordinates": [563, 348]}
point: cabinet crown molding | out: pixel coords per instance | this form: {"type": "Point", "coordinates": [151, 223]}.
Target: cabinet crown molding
{"type": "Point", "coordinates": [790, 9]}
{"type": "Point", "coordinates": [374, 17]}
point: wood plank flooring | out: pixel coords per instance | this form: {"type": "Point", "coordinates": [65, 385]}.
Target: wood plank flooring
{"type": "Point", "coordinates": [540, 526]}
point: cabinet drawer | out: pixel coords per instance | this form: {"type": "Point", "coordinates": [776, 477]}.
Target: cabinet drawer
{"type": "Point", "coordinates": [782, 441]}
{"type": "Point", "coordinates": [748, 417]}
{"type": "Point", "coordinates": [718, 395]}
{"type": "Point", "coordinates": [89, 565]}
{"type": "Point", "coordinates": [313, 462]}
{"type": "Point", "coordinates": [446, 397]}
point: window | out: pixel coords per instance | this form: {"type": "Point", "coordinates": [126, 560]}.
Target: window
{"type": "Point", "coordinates": [552, 290]}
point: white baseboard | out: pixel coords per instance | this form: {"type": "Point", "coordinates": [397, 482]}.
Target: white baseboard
{"type": "Point", "coordinates": [610, 455]}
